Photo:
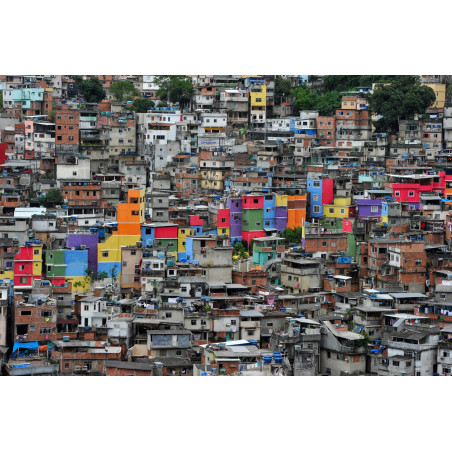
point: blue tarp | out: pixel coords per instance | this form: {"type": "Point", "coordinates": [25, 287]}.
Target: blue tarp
{"type": "Point", "coordinates": [344, 260]}
{"type": "Point", "coordinates": [25, 345]}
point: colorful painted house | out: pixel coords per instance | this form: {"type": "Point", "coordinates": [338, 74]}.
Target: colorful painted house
{"type": "Point", "coordinates": [296, 211]}
{"type": "Point", "coordinates": [269, 212]}
{"type": "Point", "coordinates": [235, 210]}
{"type": "Point", "coordinates": [266, 248]}
{"type": "Point", "coordinates": [27, 265]}
{"type": "Point", "coordinates": [182, 233]}
{"type": "Point", "coordinates": [369, 208]}
{"type": "Point", "coordinates": [341, 208]}
{"type": "Point", "coordinates": [407, 193]}
{"type": "Point", "coordinates": [89, 241]}
{"type": "Point", "coordinates": [162, 235]}
{"type": "Point", "coordinates": [280, 212]}
{"type": "Point", "coordinates": [224, 222]}
{"type": "Point", "coordinates": [320, 193]}
{"type": "Point", "coordinates": [196, 223]}
{"type": "Point", "coordinates": [130, 216]}
{"type": "Point", "coordinates": [68, 265]}
{"type": "Point", "coordinates": [252, 217]}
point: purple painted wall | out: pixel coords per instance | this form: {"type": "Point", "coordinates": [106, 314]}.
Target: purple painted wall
{"type": "Point", "coordinates": [280, 212]}
{"type": "Point", "coordinates": [280, 223]}
{"type": "Point", "coordinates": [365, 207]}
{"type": "Point", "coordinates": [235, 205]}
{"type": "Point", "coordinates": [90, 241]}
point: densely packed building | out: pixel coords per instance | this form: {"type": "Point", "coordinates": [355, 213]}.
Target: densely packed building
{"type": "Point", "coordinates": [232, 233]}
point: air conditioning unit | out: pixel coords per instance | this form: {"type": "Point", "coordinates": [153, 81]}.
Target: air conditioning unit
{"type": "Point", "coordinates": [76, 368]}
{"type": "Point", "coordinates": [228, 324]}
{"type": "Point", "coordinates": [85, 368]}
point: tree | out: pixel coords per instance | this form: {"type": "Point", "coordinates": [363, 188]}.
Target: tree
{"type": "Point", "coordinates": [52, 197]}
{"type": "Point", "coordinates": [1, 100]}
{"type": "Point", "coordinates": [89, 278]}
{"type": "Point", "coordinates": [141, 105]}
{"type": "Point", "coordinates": [283, 87]}
{"type": "Point", "coordinates": [349, 82]}
{"type": "Point", "coordinates": [292, 235]}
{"type": "Point", "coordinates": [307, 99]}
{"type": "Point", "coordinates": [102, 275]}
{"type": "Point", "coordinates": [91, 89]}
{"type": "Point", "coordinates": [174, 88]}
{"type": "Point", "coordinates": [123, 90]}
{"type": "Point", "coordinates": [114, 273]}
{"type": "Point", "coordinates": [402, 98]}
{"type": "Point", "coordinates": [328, 103]}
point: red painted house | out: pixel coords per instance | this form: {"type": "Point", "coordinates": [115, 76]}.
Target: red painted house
{"type": "Point", "coordinates": [27, 265]}
{"type": "Point", "coordinates": [252, 202]}
{"type": "Point", "coordinates": [224, 218]}
{"type": "Point", "coordinates": [407, 192]}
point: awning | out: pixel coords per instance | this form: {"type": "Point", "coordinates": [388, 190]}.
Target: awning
{"type": "Point", "coordinates": [25, 345]}
{"type": "Point", "coordinates": [342, 277]}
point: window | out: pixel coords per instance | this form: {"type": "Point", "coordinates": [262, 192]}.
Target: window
{"type": "Point", "coordinates": [46, 313]}
{"type": "Point", "coordinates": [86, 307]}
{"type": "Point", "coordinates": [316, 209]}
{"type": "Point", "coordinates": [25, 312]}
{"type": "Point", "coordinates": [323, 243]}
{"type": "Point", "coordinates": [315, 197]}
{"type": "Point", "coordinates": [342, 211]}
{"type": "Point", "coordinates": [374, 209]}
{"type": "Point", "coordinates": [194, 322]}
{"type": "Point", "coordinates": [104, 253]}
{"type": "Point", "coordinates": [133, 253]}
{"type": "Point", "coordinates": [331, 210]}
{"type": "Point", "coordinates": [233, 322]}
{"type": "Point", "coordinates": [316, 183]}
{"type": "Point", "coordinates": [396, 363]}
{"type": "Point", "coordinates": [45, 330]}
{"type": "Point", "coordinates": [35, 252]}
{"type": "Point", "coordinates": [396, 194]}
{"type": "Point", "coordinates": [168, 315]}
{"type": "Point", "coordinates": [411, 193]}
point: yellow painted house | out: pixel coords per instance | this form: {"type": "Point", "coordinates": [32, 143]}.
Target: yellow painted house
{"type": "Point", "coordinates": [182, 233]}
{"type": "Point", "coordinates": [130, 217]}
{"type": "Point", "coordinates": [281, 200]}
{"type": "Point", "coordinates": [339, 209]}
{"type": "Point", "coordinates": [258, 96]}
{"type": "Point", "coordinates": [440, 93]}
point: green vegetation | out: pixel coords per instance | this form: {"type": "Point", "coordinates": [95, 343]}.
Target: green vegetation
{"type": "Point", "coordinates": [91, 89]}
{"type": "Point", "coordinates": [240, 251]}
{"type": "Point", "coordinates": [305, 98]}
{"type": "Point", "coordinates": [114, 273]}
{"type": "Point", "coordinates": [351, 82]}
{"type": "Point", "coordinates": [402, 98]}
{"type": "Point", "coordinates": [292, 235]}
{"type": "Point", "coordinates": [282, 87]}
{"type": "Point", "coordinates": [123, 90]}
{"type": "Point", "coordinates": [52, 197]}
{"type": "Point", "coordinates": [141, 105]}
{"type": "Point", "coordinates": [175, 88]}
{"type": "Point", "coordinates": [102, 275]}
